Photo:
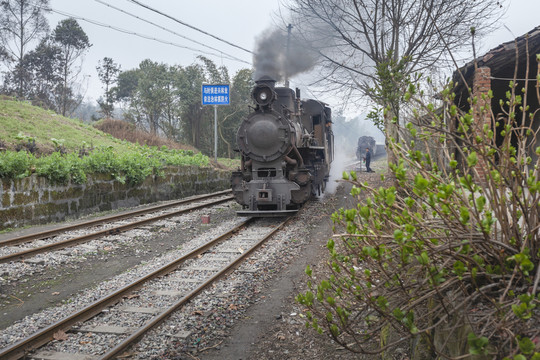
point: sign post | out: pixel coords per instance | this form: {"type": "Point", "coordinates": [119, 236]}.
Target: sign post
{"type": "Point", "coordinates": [215, 95]}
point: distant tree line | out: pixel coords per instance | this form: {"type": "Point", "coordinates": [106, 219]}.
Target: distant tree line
{"type": "Point", "coordinates": [166, 100]}
{"type": "Point", "coordinates": [46, 74]}
{"type": "Point", "coordinates": [43, 66]}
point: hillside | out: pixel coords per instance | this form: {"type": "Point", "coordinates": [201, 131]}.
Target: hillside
{"type": "Point", "coordinates": [18, 117]}
{"type": "Point", "coordinates": [23, 126]}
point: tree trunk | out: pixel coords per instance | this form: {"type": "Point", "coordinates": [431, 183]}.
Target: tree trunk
{"type": "Point", "coordinates": [391, 123]}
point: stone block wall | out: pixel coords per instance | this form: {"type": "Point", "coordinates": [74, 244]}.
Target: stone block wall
{"type": "Point", "coordinates": [33, 200]}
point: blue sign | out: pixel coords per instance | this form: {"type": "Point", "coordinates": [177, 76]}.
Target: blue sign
{"type": "Point", "coordinates": [215, 94]}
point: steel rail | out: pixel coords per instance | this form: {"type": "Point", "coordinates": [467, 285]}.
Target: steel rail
{"type": "Point", "coordinates": [164, 315]}
{"type": "Point", "coordinates": [49, 233]}
{"type": "Point", "coordinates": [41, 337]}
{"type": "Point", "coordinates": [116, 230]}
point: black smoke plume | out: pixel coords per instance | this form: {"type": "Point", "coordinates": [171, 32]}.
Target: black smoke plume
{"type": "Point", "coordinates": [275, 59]}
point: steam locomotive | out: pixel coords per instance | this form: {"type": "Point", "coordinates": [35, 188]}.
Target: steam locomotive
{"type": "Point", "coordinates": [365, 142]}
{"type": "Point", "coordinates": [287, 146]}
{"type": "Point", "coordinates": [377, 150]}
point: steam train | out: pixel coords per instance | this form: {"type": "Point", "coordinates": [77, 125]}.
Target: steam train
{"type": "Point", "coordinates": [286, 147]}
{"type": "Point", "coordinates": [377, 150]}
{"type": "Point", "coordinates": [365, 142]}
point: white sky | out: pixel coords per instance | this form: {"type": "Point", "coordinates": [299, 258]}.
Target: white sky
{"type": "Point", "coordinates": [237, 21]}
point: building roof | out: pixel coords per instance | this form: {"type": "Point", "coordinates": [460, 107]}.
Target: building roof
{"type": "Point", "coordinates": [502, 60]}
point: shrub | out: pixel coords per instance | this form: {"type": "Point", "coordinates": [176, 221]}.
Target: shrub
{"type": "Point", "coordinates": [15, 165]}
{"type": "Point", "coordinates": [101, 161]}
{"type": "Point", "coordinates": [130, 167]}
{"type": "Point", "coordinates": [57, 168]}
{"type": "Point", "coordinates": [443, 251]}
{"type": "Point", "coordinates": [135, 167]}
{"type": "Point", "coordinates": [27, 143]}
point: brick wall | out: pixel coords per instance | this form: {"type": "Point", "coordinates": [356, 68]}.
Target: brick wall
{"type": "Point", "coordinates": [33, 200]}
{"type": "Point", "coordinates": [482, 115]}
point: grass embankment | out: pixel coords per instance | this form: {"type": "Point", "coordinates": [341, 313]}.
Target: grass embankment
{"type": "Point", "coordinates": [20, 118]}
{"type": "Point", "coordinates": [63, 149]}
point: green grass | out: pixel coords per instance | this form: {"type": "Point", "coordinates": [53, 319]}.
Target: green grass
{"type": "Point", "coordinates": [20, 117]}
{"type": "Point", "coordinates": [58, 140]}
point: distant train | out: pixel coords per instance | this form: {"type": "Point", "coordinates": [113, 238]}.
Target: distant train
{"type": "Point", "coordinates": [365, 142]}
{"type": "Point", "coordinates": [287, 145]}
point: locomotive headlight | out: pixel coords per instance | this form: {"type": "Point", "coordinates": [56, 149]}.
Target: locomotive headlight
{"type": "Point", "coordinates": [263, 95]}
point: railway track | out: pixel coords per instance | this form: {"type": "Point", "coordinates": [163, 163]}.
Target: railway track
{"type": "Point", "coordinates": [178, 281]}
{"type": "Point", "coordinates": [219, 197]}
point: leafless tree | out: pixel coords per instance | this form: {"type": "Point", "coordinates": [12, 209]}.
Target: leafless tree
{"type": "Point", "coordinates": [22, 21]}
{"type": "Point", "coordinates": [363, 43]}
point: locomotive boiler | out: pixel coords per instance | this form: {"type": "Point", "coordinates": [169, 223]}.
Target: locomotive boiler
{"type": "Point", "coordinates": [286, 147]}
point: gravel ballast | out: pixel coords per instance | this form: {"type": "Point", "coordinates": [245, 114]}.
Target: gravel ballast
{"type": "Point", "coordinates": [247, 315]}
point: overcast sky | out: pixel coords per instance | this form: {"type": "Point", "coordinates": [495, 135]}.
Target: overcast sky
{"type": "Point", "coordinates": [239, 22]}
{"type": "Point", "coordinates": [236, 21]}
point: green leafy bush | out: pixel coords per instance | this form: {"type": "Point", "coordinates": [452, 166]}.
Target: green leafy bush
{"type": "Point", "coordinates": [448, 248]}
{"type": "Point", "coordinates": [61, 168]}
{"type": "Point", "coordinates": [132, 166]}
{"type": "Point", "coordinates": [135, 167]}
{"type": "Point", "coordinates": [101, 160]}
{"type": "Point", "coordinates": [15, 164]}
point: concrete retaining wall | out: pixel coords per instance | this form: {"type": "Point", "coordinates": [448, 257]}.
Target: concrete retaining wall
{"type": "Point", "coordinates": [33, 200]}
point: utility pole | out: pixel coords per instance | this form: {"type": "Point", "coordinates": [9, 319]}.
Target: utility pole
{"type": "Point", "coordinates": [215, 133]}
{"type": "Point", "coordinates": [289, 28]}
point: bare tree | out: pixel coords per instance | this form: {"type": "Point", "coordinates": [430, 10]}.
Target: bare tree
{"type": "Point", "coordinates": [22, 21]}
{"type": "Point", "coordinates": [366, 45]}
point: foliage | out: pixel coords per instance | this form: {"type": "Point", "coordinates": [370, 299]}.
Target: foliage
{"type": "Point", "coordinates": [159, 98]}
{"type": "Point", "coordinates": [449, 247]}
{"type": "Point", "coordinates": [23, 21]}
{"type": "Point", "coordinates": [390, 76]}
{"type": "Point", "coordinates": [126, 131]}
{"type": "Point", "coordinates": [230, 117]}
{"type": "Point", "coordinates": [108, 74]}
{"type": "Point", "coordinates": [47, 74]}
{"type": "Point", "coordinates": [375, 116]}
{"type": "Point", "coordinates": [73, 43]}
{"type": "Point", "coordinates": [78, 150]}
{"type": "Point", "coordinates": [182, 157]}
{"type": "Point", "coordinates": [43, 67]}
{"type": "Point", "coordinates": [231, 164]}
{"type": "Point", "coordinates": [131, 167]}
{"type": "Point", "coordinates": [15, 165]}
{"type": "Point", "coordinates": [61, 168]}
{"type": "Point", "coordinates": [26, 142]}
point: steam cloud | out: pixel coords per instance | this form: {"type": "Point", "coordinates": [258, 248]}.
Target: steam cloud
{"type": "Point", "coordinates": [339, 165]}
{"type": "Point", "coordinates": [272, 58]}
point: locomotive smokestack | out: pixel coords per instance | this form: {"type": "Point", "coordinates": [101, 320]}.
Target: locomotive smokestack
{"type": "Point", "coordinates": [267, 80]}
